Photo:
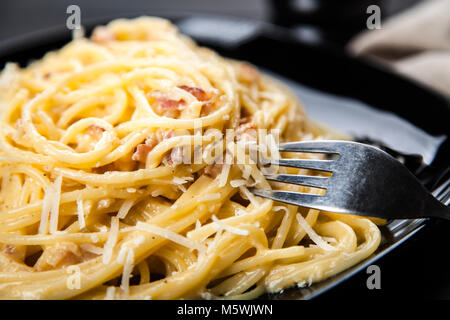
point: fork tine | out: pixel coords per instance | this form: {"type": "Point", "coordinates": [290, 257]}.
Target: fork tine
{"type": "Point", "coordinates": [318, 182]}
{"type": "Point", "coordinates": [317, 146]}
{"type": "Point", "coordinates": [303, 199]}
{"type": "Point", "coordinates": [323, 165]}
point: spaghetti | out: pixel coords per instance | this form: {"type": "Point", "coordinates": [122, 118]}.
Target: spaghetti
{"type": "Point", "coordinates": [98, 200]}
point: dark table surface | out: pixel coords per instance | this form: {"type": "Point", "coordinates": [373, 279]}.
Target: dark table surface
{"type": "Point", "coordinates": [420, 268]}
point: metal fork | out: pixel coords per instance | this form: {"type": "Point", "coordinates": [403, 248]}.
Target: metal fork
{"type": "Point", "coordinates": [365, 181]}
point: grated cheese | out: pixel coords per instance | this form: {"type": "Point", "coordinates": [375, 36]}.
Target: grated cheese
{"type": "Point", "coordinates": [91, 248]}
{"type": "Point", "coordinates": [126, 274]}
{"type": "Point", "coordinates": [222, 225]}
{"type": "Point", "coordinates": [240, 212]}
{"type": "Point", "coordinates": [169, 235]}
{"type": "Point", "coordinates": [102, 228]}
{"type": "Point", "coordinates": [122, 253]}
{"type": "Point", "coordinates": [54, 204]}
{"type": "Point", "coordinates": [209, 197]}
{"type": "Point", "coordinates": [111, 241]}
{"type": "Point", "coordinates": [177, 180]}
{"type": "Point", "coordinates": [125, 208]}
{"type": "Point", "coordinates": [181, 180]}
{"type": "Point", "coordinates": [80, 212]}
{"type": "Point", "coordinates": [110, 293]}
{"type": "Point", "coordinates": [279, 208]}
{"type": "Point", "coordinates": [94, 238]}
{"type": "Point", "coordinates": [156, 193]}
{"type": "Point", "coordinates": [237, 183]}
{"type": "Point", "coordinates": [104, 203]}
{"type": "Point", "coordinates": [207, 295]}
{"type": "Point", "coordinates": [247, 171]}
{"type": "Point", "coordinates": [313, 235]}
{"type": "Point", "coordinates": [129, 245]}
{"type": "Point", "coordinates": [45, 212]}
{"type": "Point", "coordinates": [223, 178]}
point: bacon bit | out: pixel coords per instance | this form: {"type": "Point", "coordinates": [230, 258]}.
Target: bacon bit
{"type": "Point", "coordinates": [199, 93]}
{"type": "Point", "coordinates": [248, 73]}
{"type": "Point", "coordinates": [95, 132]}
{"type": "Point", "coordinates": [142, 150]}
{"type": "Point", "coordinates": [168, 104]}
{"type": "Point", "coordinates": [202, 95]}
{"type": "Point", "coordinates": [247, 130]}
{"type": "Point", "coordinates": [207, 108]}
{"type": "Point", "coordinates": [103, 35]}
{"type": "Point", "coordinates": [59, 255]}
{"type": "Point", "coordinates": [213, 170]}
{"type": "Point", "coordinates": [169, 107]}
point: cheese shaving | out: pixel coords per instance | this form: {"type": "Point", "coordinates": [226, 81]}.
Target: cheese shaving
{"type": "Point", "coordinates": [169, 235]}
{"type": "Point", "coordinates": [91, 248]}
{"type": "Point", "coordinates": [125, 208]}
{"type": "Point", "coordinates": [223, 178]}
{"type": "Point", "coordinates": [80, 212]}
{"type": "Point", "coordinates": [126, 275]}
{"type": "Point", "coordinates": [45, 212]}
{"type": "Point", "coordinates": [111, 241]}
{"type": "Point", "coordinates": [209, 197]}
{"type": "Point", "coordinates": [313, 235]}
{"type": "Point", "coordinates": [54, 207]}
{"type": "Point", "coordinates": [281, 208]}
{"type": "Point", "coordinates": [110, 293]}
{"type": "Point", "coordinates": [222, 225]}
{"type": "Point", "coordinates": [237, 183]}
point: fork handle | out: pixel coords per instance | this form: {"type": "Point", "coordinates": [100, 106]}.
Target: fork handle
{"type": "Point", "coordinates": [442, 194]}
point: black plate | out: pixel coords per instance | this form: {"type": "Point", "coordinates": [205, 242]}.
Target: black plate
{"type": "Point", "coordinates": [329, 80]}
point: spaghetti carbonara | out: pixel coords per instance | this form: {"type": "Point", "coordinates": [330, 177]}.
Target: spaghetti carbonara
{"type": "Point", "coordinates": [111, 188]}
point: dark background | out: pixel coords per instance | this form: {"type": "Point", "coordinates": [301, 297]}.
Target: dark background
{"type": "Point", "coordinates": [22, 16]}
{"type": "Point", "coordinates": [412, 270]}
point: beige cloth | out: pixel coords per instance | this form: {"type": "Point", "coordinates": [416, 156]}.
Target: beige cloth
{"type": "Point", "coordinates": [415, 42]}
